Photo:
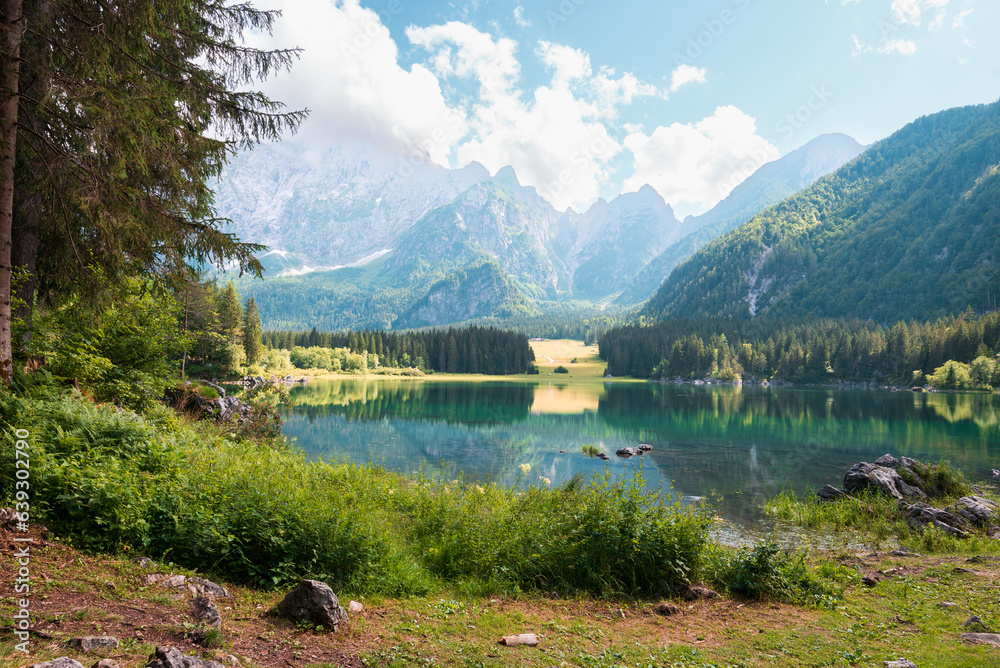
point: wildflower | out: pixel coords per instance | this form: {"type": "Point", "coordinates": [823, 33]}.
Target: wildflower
{"type": "Point", "coordinates": [545, 480]}
{"type": "Point", "coordinates": [480, 488]}
{"type": "Point", "coordinates": [390, 491]}
{"type": "Point", "coordinates": [525, 468]}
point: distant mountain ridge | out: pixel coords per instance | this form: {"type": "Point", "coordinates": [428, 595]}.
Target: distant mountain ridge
{"type": "Point", "coordinates": [362, 239]}
{"type": "Point", "coordinates": [767, 186]}
{"type": "Point", "coordinates": [910, 229]}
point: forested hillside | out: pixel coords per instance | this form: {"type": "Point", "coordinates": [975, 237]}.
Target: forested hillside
{"type": "Point", "coordinates": [910, 229]}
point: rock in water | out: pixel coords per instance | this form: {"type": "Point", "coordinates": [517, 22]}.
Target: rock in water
{"type": "Point", "coordinates": [313, 602]}
{"type": "Point", "coordinates": [92, 643]}
{"type": "Point", "coordinates": [882, 479]}
{"type": "Point", "coordinates": [644, 447]}
{"type": "Point", "coordinates": [61, 662]}
{"type": "Point", "coordinates": [171, 657]}
{"type": "Point", "coordinates": [205, 612]}
{"type": "Point", "coordinates": [626, 452]}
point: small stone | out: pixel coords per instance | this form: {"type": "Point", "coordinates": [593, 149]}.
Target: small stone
{"type": "Point", "coordinates": [946, 605]}
{"type": "Point", "coordinates": [904, 552]}
{"type": "Point", "coordinates": [172, 582]}
{"type": "Point", "coordinates": [528, 639]}
{"type": "Point", "coordinates": [105, 663]}
{"type": "Point", "coordinates": [830, 493]}
{"type": "Point", "coordinates": [144, 562]}
{"type": "Point", "coordinates": [208, 588]}
{"type": "Point", "coordinates": [89, 644]}
{"type": "Point", "coordinates": [666, 609]}
{"type": "Point", "coordinates": [354, 606]}
{"type": "Point", "coordinates": [644, 447]}
{"type": "Point", "coordinates": [171, 657]}
{"type": "Point", "coordinates": [982, 638]}
{"type": "Point", "coordinates": [899, 663]}
{"type": "Point", "coordinates": [698, 593]}
{"type": "Point", "coordinates": [61, 662]}
{"type": "Point", "coordinates": [869, 581]}
{"type": "Point", "coordinates": [204, 610]}
{"type": "Point", "coordinates": [232, 660]}
{"type": "Point", "coordinates": [975, 622]}
{"type": "Point", "coordinates": [313, 602]}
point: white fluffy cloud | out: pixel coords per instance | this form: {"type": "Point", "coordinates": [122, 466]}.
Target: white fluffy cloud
{"type": "Point", "coordinates": [698, 164]}
{"type": "Point", "coordinates": [911, 12]}
{"type": "Point", "coordinates": [555, 136]}
{"type": "Point", "coordinates": [685, 74]}
{"type": "Point", "coordinates": [350, 79]}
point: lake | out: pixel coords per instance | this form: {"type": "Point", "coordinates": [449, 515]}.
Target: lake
{"type": "Point", "coordinates": [736, 445]}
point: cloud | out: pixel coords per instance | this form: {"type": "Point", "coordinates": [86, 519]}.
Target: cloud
{"type": "Point", "coordinates": [859, 46]}
{"type": "Point", "coordinates": [959, 21]}
{"type": "Point", "coordinates": [910, 12]}
{"type": "Point", "coordinates": [462, 101]}
{"type": "Point", "coordinates": [519, 17]}
{"type": "Point", "coordinates": [685, 74]}
{"type": "Point", "coordinates": [350, 79]}
{"type": "Point", "coordinates": [555, 136]}
{"type": "Point", "coordinates": [493, 62]}
{"type": "Point", "coordinates": [699, 163]}
{"type": "Point", "coordinates": [905, 47]}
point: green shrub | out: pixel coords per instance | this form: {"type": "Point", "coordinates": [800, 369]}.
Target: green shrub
{"type": "Point", "coordinates": [259, 512]}
{"type": "Point", "coordinates": [560, 369]}
{"type": "Point", "coordinates": [767, 572]}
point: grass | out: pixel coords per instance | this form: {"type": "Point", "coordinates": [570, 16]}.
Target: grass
{"type": "Point", "coordinates": [898, 617]}
{"type": "Point", "coordinates": [260, 513]}
{"type": "Point", "coordinates": [447, 566]}
{"type": "Point", "coordinates": [872, 518]}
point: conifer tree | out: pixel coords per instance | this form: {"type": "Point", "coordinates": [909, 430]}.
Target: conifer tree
{"type": "Point", "coordinates": [252, 332]}
{"type": "Point", "coordinates": [231, 314]}
{"type": "Point", "coordinates": [116, 115]}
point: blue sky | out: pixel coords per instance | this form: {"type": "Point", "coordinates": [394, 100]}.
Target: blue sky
{"type": "Point", "coordinates": [589, 98]}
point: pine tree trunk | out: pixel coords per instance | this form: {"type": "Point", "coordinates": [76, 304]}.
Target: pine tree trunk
{"type": "Point", "coordinates": [11, 30]}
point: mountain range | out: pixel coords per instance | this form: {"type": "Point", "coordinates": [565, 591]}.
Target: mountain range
{"type": "Point", "coordinates": [362, 239]}
{"type": "Point", "coordinates": [908, 230]}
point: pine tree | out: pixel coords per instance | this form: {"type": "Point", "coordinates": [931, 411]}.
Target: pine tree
{"type": "Point", "coordinates": [120, 115]}
{"type": "Point", "coordinates": [231, 314]}
{"type": "Point", "coordinates": [252, 332]}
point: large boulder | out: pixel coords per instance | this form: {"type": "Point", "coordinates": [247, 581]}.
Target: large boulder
{"type": "Point", "coordinates": [204, 610]}
{"type": "Point", "coordinates": [881, 479]}
{"type": "Point", "coordinates": [976, 510]}
{"type": "Point", "coordinates": [313, 602]}
{"type": "Point", "coordinates": [921, 515]}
